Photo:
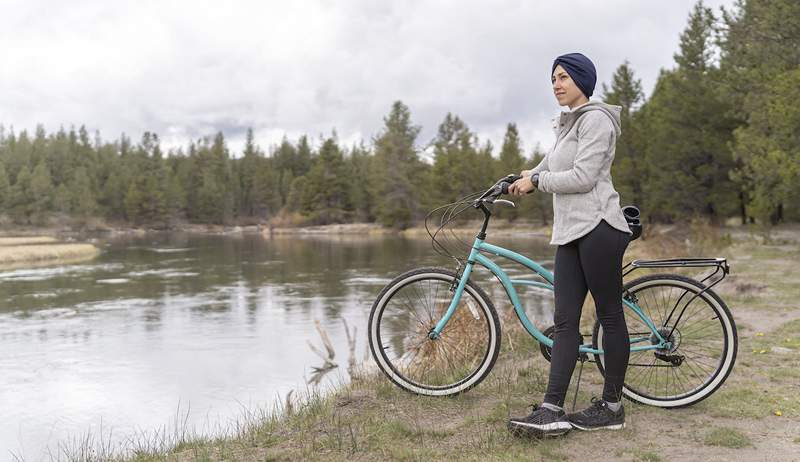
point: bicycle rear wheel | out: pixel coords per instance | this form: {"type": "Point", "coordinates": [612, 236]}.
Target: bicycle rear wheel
{"type": "Point", "coordinates": [403, 315]}
{"type": "Point", "coordinates": [704, 347]}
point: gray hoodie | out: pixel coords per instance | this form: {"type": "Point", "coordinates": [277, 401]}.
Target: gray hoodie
{"type": "Point", "coordinates": [577, 171]}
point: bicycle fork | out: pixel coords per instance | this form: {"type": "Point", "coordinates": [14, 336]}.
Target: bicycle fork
{"type": "Point", "coordinates": [459, 290]}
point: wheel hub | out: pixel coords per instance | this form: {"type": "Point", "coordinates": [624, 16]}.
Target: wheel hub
{"type": "Point", "coordinates": [668, 354]}
{"type": "Point", "coordinates": [673, 339]}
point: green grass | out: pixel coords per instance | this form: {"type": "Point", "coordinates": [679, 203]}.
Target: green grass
{"type": "Point", "coordinates": [742, 402]}
{"type": "Point", "coordinates": [727, 437]}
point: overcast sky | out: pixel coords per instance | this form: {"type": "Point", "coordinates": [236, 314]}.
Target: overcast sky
{"type": "Point", "coordinates": [186, 69]}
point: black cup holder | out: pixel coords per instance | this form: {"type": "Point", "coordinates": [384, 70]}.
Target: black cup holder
{"type": "Point", "coordinates": [632, 215]}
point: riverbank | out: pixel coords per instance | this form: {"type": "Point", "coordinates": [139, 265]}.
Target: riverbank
{"type": "Point", "coordinates": [24, 251]}
{"type": "Point", "coordinates": [499, 227]}
{"type": "Point", "coordinates": [754, 416]}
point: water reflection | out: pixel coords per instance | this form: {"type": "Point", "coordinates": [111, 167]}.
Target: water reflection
{"type": "Point", "coordinates": [214, 321]}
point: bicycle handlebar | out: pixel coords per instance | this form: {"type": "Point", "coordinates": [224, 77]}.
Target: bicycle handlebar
{"type": "Point", "coordinates": [499, 188]}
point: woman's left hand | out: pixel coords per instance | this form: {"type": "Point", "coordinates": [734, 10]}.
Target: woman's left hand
{"type": "Point", "coordinates": [521, 186]}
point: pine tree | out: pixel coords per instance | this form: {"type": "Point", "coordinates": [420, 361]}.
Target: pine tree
{"type": "Point", "coordinates": [146, 198]}
{"type": "Point", "coordinates": [687, 153]}
{"type": "Point", "coordinates": [628, 169]}
{"type": "Point", "coordinates": [305, 157]}
{"type": "Point", "coordinates": [112, 198]}
{"type": "Point", "coordinates": [269, 191]}
{"type": "Point", "coordinates": [456, 169]}
{"type": "Point", "coordinates": [359, 166]}
{"type": "Point", "coordinates": [326, 189]}
{"type": "Point", "coordinates": [42, 192]}
{"type": "Point", "coordinates": [510, 161]}
{"type": "Point", "coordinates": [297, 196]}
{"type": "Point", "coordinates": [20, 197]}
{"type": "Point", "coordinates": [176, 198]}
{"type": "Point", "coordinates": [250, 165]}
{"type": "Point", "coordinates": [210, 202]}
{"type": "Point", "coordinates": [62, 199]}
{"type": "Point", "coordinates": [396, 181]}
{"type": "Point", "coordinates": [759, 60]}
{"type": "Point", "coordinates": [223, 178]}
{"type": "Point", "coordinates": [83, 198]}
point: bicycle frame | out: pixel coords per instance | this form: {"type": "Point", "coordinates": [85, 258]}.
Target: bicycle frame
{"type": "Point", "coordinates": [476, 256]}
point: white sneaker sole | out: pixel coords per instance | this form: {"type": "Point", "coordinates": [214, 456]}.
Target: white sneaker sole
{"type": "Point", "coordinates": [607, 427]}
{"type": "Point", "coordinates": [542, 430]}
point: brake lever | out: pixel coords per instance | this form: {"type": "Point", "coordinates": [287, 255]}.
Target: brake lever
{"type": "Point", "coordinates": [505, 201]}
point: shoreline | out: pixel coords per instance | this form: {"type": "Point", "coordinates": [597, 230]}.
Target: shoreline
{"type": "Point", "coordinates": [497, 227]}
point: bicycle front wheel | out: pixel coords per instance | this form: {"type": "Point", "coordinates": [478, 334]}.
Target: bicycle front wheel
{"type": "Point", "coordinates": [704, 342]}
{"type": "Point", "coordinates": [403, 315]}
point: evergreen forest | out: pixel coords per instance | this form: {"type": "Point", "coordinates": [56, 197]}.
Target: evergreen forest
{"type": "Point", "coordinates": [718, 138]}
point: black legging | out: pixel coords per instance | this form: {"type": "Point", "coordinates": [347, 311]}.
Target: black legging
{"type": "Point", "coordinates": [592, 262]}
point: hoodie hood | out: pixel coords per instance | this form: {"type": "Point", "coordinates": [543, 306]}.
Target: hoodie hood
{"type": "Point", "coordinates": [613, 112]}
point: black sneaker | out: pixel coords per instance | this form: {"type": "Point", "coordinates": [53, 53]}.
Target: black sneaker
{"type": "Point", "coordinates": [598, 417]}
{"type": "Point", "coordinates": [542, 422]}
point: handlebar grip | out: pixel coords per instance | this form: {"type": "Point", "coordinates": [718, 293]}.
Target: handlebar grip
{"type": "Point", "coordinates": [508, 181]}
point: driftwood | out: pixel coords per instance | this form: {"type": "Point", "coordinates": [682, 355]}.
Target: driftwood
{"type": "Point", "coordinates": [289, 405]}
{"type": "Point", "coordinates": [351, 343]}
{"type": "Point", "coordinates": [328, 363]}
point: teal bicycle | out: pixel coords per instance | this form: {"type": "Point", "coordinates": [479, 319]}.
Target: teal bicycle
{"type": "Point", "coordinates": [433, 331]}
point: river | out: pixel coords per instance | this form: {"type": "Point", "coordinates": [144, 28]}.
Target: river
{"type": "Point", "coordinates": [187, 331]}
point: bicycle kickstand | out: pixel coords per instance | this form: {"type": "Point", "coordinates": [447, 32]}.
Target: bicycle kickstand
{"type": "Point", "coordinates": [582, 357]}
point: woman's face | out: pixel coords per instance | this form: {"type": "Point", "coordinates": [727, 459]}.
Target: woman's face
{"type": "Point", "coordinates": [567, 93]}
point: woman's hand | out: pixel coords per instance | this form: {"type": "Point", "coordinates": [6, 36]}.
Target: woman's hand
{"type": "Point", "coordinates": [523, 185]}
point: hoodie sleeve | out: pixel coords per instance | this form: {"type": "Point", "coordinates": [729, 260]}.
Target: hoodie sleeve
{"type": "Point", "coordinates": [595, 135]}
{"type": "Point", "coordinates": [542, 166]}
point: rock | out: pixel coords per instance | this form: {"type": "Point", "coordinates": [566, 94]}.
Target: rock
{"type": "Point", "coordinates": [781, 350]}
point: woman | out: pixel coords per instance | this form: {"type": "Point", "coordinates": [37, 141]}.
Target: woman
{"type": "Point", "coordinates": [592, 235]}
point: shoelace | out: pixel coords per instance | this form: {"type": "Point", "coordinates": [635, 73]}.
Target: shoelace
{"type": "Point", "coordinates": [597, 405]}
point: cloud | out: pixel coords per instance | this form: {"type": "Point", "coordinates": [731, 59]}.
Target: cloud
{"type": "Point", "coordinates": [187, 69]}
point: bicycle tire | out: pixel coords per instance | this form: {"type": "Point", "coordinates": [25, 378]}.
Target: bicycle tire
{"type": "Point", "coordinates": [718, 373]}
{"type": "Point", "coordinates": [393, 367]}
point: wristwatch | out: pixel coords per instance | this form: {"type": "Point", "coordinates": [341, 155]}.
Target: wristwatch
{"type": "Point", "coordinates": [535, 180]}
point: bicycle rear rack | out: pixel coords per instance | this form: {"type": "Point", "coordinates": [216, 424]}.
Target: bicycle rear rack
{"type": "Point", "coordinates": [720, 264]}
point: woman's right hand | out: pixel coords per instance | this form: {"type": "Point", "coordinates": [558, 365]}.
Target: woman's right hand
{"type": "Point", "coordinates": [525, 173]}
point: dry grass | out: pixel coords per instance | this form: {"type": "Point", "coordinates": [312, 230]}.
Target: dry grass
{"type": "Point", "coordinates": [18, 255]}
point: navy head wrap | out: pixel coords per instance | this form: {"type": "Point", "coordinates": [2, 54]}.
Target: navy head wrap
{"type": "Point", "coordinates": [580, 68]}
